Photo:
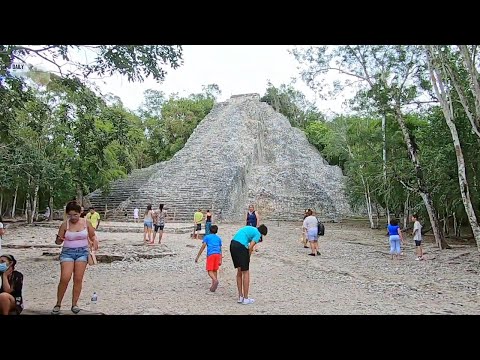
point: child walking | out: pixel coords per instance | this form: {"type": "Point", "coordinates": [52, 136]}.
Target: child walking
{"type": "Point", "coordinates": [417, 237]}
{"type": "Point", "coordinates": [213, 242]}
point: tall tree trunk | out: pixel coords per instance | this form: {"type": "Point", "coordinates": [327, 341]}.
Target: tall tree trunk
{"type": "Point", "coordinates": [421, 185]}
{"type": "Point", "coordinates": [28, 215]}
{"type": "Point", "coordinates": [28, 210]}
{"type": "Point", "coordinates": [34, 205]}
{"type": "Point", "coordinates": [14, 201]}
{"type": "Point", "coordinates": [454, 223]}
{"type": "Point", "coordinates": [447, 108]}
{"type": "Point", "coordinates": [406, 212]}
{"type": "Point", "coordinates": [50, 204]}
{"type": "Point", "coordinates": [79, 194]}
{"type": "Point", "coordinates": [368, 202]}
{"type": "Point", "coordinates": [384, 153]}
{"type": "Point", "coordinates": [474, 86]}
{"type": "Point", "coordinates": [433, 216]}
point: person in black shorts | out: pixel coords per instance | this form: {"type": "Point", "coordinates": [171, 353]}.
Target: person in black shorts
{"type": "Point", "coordinates": [241, 248]}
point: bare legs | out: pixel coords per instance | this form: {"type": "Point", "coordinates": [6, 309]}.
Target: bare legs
{"type": "Point", "coordinates": [68, 268]}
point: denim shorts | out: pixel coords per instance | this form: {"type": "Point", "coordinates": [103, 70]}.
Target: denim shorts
{"type": "Point", "coordinates": [74, 254]}
{"type": "Point", "coordinates": [312, 234]}
{"type": "Point", "coordinates": [148, 223]}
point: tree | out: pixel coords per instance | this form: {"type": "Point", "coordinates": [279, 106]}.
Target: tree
{"type": "Point", "coordinates": [440, 71]}
{"type": "Point", "coordinates": [292, 104]}
{"type": "Point", "coordinates": [134, 61]}
{"type": "Point", "coordinates": [389, 77]}
{"type": "Point", "coordinates": [212, 90]}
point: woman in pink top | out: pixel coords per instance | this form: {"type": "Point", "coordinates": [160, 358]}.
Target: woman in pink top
{"type": "Point", "coordinates": [76, 234]}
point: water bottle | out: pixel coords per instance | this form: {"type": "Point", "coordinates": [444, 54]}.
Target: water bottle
{"type": "Point", "coordinates": [94, 298]}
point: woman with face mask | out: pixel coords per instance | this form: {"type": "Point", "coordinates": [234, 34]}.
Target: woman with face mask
{"type": "Point", "coordinates": [77, 235]}
{"type": "Point", "coordinates": [11, 283]}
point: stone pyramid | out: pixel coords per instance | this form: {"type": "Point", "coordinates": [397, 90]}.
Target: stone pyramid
{"type": "Point", "coordinates": [242, 152]}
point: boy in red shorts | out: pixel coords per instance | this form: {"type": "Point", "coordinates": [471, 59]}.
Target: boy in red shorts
{"type": "Point", "coordinates": [214, 254]}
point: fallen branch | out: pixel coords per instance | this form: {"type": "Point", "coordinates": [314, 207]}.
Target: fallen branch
{"type": "Point", "coordinates": [458, 256]}
{"type": "Point", "coordinates": [109, 258]}
{"type": "Point", "coordinates": [26, 246]}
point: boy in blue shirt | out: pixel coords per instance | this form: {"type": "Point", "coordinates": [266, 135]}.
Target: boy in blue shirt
{"type": "Point", "coordinates": [213, 242]}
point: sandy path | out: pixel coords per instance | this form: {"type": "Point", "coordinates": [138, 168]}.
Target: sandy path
{"type": "Point", "coordinates": [348, 278]}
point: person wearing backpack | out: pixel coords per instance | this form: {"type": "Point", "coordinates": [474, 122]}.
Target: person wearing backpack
{"type": "Point", "coordinates": [320, 228]}
{"type": "Point", "coordinates": [310, 224]}
{"type": "Point", "coordinates": [253, 218]}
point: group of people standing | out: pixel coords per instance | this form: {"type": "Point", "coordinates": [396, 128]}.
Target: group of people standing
{"type": "Point", "coordinates": [396, 238]}
{"type": "Point", "coordinates": [241, 247]}
{"type": "Point", "coordinates": [77, 234]}
{"type": "Point", "coordinates": [197, 222]}
{"type": "Point", "coordinates": [153, 221]}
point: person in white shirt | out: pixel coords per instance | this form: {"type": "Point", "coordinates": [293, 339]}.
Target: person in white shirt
{"type": "Point", "coordinates": [2, 231]}
{"type": "Point", "coordinates": [310, 224]}
{"type": "Point", "coordinates": [417, 236]}
{"type": "Point", "coordinates": [135, 214]}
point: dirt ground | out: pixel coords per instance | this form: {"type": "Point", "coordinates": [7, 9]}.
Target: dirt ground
{"type": "Point", "coordinates": [353, 275]}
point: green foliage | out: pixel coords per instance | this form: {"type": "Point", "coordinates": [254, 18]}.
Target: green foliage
{"type": "Point", "coordinates": [389, 80]}
{"type": "Point", "coordinates": [64, 138]}
{"type": "Point", "coordinates": [133, 61]}
{"type": "Point", "coordinates": [293, 104]}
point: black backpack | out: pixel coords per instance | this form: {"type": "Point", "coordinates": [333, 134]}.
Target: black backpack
{"type": "Point", "coordinates": [321, 228]}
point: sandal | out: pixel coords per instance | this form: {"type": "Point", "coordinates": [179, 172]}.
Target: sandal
{"type": "Point", "coordinates": [75, 309]}
{"type": "Point", "coordinates": [56, 310]}
{"type": "Point", "coordinates": [318, 253]}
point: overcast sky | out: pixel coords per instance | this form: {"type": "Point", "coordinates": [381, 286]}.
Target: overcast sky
{"type": "Point", "coordinates": [236, 69]}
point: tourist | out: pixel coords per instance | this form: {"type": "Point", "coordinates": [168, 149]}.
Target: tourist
{"type": "Point", "coordinates": [253, 218]}
{"type": "Point", "coordinates": [159, 222]}
{"type": "Point", "coordinates": [310, 226]}
{"type": "Point", "coordinates": [135, 214]}
{"type": "Point", "coordinates": [208, 222]}
{"type": "Point", "coordinates": [93, 217]}
{"type": "Point", "coordinates": [213, 242]}
{"type": "Point", "coordinates": [241, 248]}
{"type": "Point", "coordinates": [148, 224]}
{"type": "Point", "coordinates": [46, 215]}
{"type": "Point", "coordinates": [417, 237]}
{"type": "Point", "coordinates": [197, 223]}
{"type": "Point", "coordinates": [395, 237]}
{"type": "Point", "coordinates": [11, 283]}
{"type": "Point", "coordinates": [304, 233]}
{"type": "Point", "coordinates": [83, 212]}
{"type": "Point", "coordinates": [2, 232]}
{"type": "Point", "coordinates": [77, 235]}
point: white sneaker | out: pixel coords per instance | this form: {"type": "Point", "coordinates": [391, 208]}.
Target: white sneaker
{"type": "Point", "coordinates": [418, 258]}
{"type": "Point", "coordinates": [248, 301]}
{"type": "Point", "coordinates": [240, 300]}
